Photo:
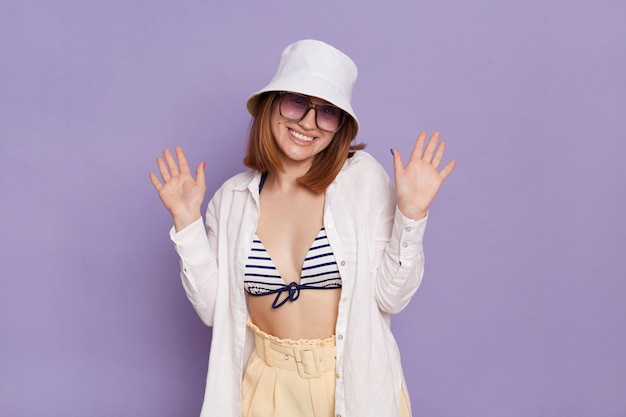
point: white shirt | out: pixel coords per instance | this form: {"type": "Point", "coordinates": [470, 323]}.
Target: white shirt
{"type": "Point", "coordinates": [381, 262]}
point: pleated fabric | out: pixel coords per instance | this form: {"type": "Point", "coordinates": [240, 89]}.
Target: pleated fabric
{"type": "Point", "coordinates": [287, 378]}
{"type": "Point", "coordinates": [292, 378]}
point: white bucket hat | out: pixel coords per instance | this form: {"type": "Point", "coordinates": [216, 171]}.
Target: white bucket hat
{"type": "Point", "coordinates": [313, 68]}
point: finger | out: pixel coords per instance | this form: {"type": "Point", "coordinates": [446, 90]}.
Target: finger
{"type": "Point", "coordinates": [448, 169]}
{"type": "Point", "coordinates": [165, 173]}
{"type": "Point", "coordinates": [398, 166]}
{"type": "Point", "coordinates": [171, 162]}
{"type": "Point", "coordinates": [418, 147]}
{"type": "Point", "coordinates": [439, 154]}
{"type": "Point", "coordinates": [430, 147]}
{"type": "Point", "coordinates": [155, 181]}
{"type": "Point", "coordinates": [200, 173]}
{"type": "Point", "coordinates": [182, 160]}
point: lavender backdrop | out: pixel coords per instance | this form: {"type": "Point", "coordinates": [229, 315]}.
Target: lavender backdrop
{"type": "Point", "coordinates": [522, 309]}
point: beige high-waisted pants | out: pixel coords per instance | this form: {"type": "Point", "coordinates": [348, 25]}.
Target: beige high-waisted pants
{"type": "Point", "coordinates": [291, 378]}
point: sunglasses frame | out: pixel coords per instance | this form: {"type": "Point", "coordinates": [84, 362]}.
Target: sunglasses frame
{"type": "Point", "coordinates": [313, 106]}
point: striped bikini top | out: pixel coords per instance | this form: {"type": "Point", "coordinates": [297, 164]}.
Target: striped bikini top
{"type": "Point", "coordinates": [319, 272]}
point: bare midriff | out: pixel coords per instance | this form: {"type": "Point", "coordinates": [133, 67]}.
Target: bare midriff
{"type": "Point", "coordinates": [312, 316]}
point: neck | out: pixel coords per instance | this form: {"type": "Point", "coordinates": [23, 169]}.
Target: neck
{"type": "Point", "coordinates": [292, 170]}
{"type": "Point", "coordinates": [283, 181]}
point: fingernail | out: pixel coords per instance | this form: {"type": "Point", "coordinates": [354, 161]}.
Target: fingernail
{"type": "Point", "coordinates": [391, 150]}
{"type": "Point", "coordinates": [203, 165]}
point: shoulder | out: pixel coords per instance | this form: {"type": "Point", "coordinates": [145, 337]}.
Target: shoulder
{"type": "Point", "coordinates": [363, 167]}
{"type": "Point", "coordinates": [362, 157]}
{"type": "Point", "coordinates": [363, 184]}
{"type": "Point", "coordinates": [235, 185]}
{"type": "Point", "coordinates": [240, 181]}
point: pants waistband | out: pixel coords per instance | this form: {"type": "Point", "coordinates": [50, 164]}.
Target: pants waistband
{"type": "Point", "coordinates": [310, 358]}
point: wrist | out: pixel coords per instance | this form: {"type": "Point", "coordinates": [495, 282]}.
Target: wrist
{"type": "Point", "coordinates": [184, 220]}
{"type": "Point", "coordinates": [413, 214]}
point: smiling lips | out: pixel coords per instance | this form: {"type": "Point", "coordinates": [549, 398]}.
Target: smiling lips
{"type": "Point", "coordinates": [300, 136]}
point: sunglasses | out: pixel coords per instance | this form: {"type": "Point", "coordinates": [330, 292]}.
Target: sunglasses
{"type": "Point", "coordinates": [295, 107]}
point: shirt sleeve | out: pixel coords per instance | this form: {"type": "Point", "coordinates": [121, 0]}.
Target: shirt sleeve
{"type": "Point", "coordinates": [401, 266]}
{"type": "Point", "coordinates": [198, 265]}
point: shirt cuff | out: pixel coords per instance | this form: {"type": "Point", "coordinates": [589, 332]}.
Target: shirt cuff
{"type": "Point", "coordinates": [403, 224]}
{"type": "Point", "coordinates": [191, 243]}
{"type": "Point", "coordinates": [407, 236]}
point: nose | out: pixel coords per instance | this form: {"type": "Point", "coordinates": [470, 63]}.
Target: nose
{"type": "Point", "coordinates": [308, 121]}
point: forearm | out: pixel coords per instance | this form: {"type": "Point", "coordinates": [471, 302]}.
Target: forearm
{"type": "Point", "coordinates": [401, 266]}
{"type": "Point", "coordinates": [198, 268]}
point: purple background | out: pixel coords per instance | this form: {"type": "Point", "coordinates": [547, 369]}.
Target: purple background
{"type": "Point", "coordinates": [521, 312]}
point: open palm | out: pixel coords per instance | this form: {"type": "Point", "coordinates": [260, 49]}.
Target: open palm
{"type": "Point", "coordinates": [419, 181]}
{"type": "Point", "coordinates": [180, 193]}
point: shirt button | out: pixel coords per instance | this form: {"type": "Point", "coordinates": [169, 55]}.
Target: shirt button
{"type": "Point", "coordinates": [338, 376]}
{"type": "Point", "coordinates": [408, 229]}
{"type": "Point", "coordinates": [343, 263]}
{"type": "Point", "coordinates": [404, 245]}
{"type": "Point", "coordinates": [330, 226]}
{"type": "Point", "coordinates": [286, 357]}
{"type": "Point", "coordinates": [340, 337]}
{"type": "Point", "coordinates": [338, 415]}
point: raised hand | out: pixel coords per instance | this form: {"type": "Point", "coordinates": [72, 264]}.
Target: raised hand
{"type": "Point", "coordinates": [418, 182]}
{"type": "Point", "coordinates": [180, 193]}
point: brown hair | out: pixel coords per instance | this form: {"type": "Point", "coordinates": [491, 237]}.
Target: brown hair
{"type": "Point", "coordinates": [262, 152]}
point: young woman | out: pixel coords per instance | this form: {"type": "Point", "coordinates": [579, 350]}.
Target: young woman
{"type": "Point", "coordinates": [302, 259]}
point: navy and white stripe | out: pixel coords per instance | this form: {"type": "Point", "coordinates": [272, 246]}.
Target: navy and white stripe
{"type": "Point", "coordinates": [319, 272]}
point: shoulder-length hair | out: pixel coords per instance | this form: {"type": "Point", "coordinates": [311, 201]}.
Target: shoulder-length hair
{"type": "Point", "coordinates": [262, 152]}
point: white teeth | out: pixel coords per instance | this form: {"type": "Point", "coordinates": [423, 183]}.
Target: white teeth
{"type": "Point", "coordinates": [299, 136]}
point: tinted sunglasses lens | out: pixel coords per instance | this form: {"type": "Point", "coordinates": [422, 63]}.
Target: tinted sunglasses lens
{"type": "Point", "coordinates": [293, 106]}
{"type": "Point", "coordinates": [328, 117]}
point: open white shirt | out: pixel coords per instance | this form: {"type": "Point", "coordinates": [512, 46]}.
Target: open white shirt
{"type": "Point", "coordinates": [380, 259]}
